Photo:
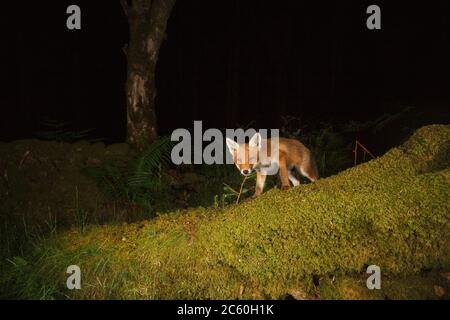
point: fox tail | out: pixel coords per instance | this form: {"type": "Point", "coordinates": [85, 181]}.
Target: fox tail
{"type": "Point", "coordinates": [309, 168]}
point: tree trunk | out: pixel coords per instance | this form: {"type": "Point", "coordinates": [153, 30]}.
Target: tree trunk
{"type": "Point", "coordinates": [147, 20]}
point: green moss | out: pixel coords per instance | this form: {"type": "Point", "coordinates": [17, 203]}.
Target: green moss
{"type": "Point", "coordinates": [392, 212]}
{"type": "Point", "coordinates": [425, 285]}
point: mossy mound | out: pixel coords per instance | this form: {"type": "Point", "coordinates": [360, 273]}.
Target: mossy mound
{"type": "Point", "coordinates": [314, 241]}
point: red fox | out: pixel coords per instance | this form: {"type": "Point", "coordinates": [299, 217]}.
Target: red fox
{"type": "Point", "coordinates": [292, 155]}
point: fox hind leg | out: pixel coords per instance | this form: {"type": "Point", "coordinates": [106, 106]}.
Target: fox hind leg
{"type": "Point", "coordinates": [284, 174]}
{"type": "Point", "coordinates": [293, 179]}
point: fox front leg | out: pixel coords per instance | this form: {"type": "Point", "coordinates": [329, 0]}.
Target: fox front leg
{"type": "Point", "coordinates": [260, 181]}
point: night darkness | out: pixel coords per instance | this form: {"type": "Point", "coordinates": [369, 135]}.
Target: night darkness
{"type": "Point", "coordinates": [224, 62]}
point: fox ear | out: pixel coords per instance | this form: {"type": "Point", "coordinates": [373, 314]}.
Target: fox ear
{"type": "Point", "coordinates": [232, 145]}
{"type": "Point", "coordinates": [255, 141]}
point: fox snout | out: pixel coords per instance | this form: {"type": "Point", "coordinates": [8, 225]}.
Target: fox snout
{"type": "Point", "coordinates": [245, 156]}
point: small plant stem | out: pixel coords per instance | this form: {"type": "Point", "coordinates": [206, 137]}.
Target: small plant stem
{"type": "Point", "coordinates": [240, 190]}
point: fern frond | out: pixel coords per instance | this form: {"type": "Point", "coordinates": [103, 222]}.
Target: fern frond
{"type": "Point", "coordinates": [149, 164]}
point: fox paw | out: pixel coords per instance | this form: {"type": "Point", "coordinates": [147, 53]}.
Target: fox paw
{"type": "Point", "coordinates": [284, 188]}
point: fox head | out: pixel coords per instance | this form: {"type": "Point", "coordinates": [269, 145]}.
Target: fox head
{"type": "Point", "coordinates": [245, 156]}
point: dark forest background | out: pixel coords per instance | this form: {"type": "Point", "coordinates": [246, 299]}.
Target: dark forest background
{"type": "Point", "coordinates": [226, 62]}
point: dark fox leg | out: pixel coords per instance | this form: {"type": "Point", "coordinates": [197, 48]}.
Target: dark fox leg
{"type": "Point", "coordinates": [284, 174]}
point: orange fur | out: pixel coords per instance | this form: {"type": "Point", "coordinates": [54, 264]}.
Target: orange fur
{"type": "Point", "coordinates": [293, 155]}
